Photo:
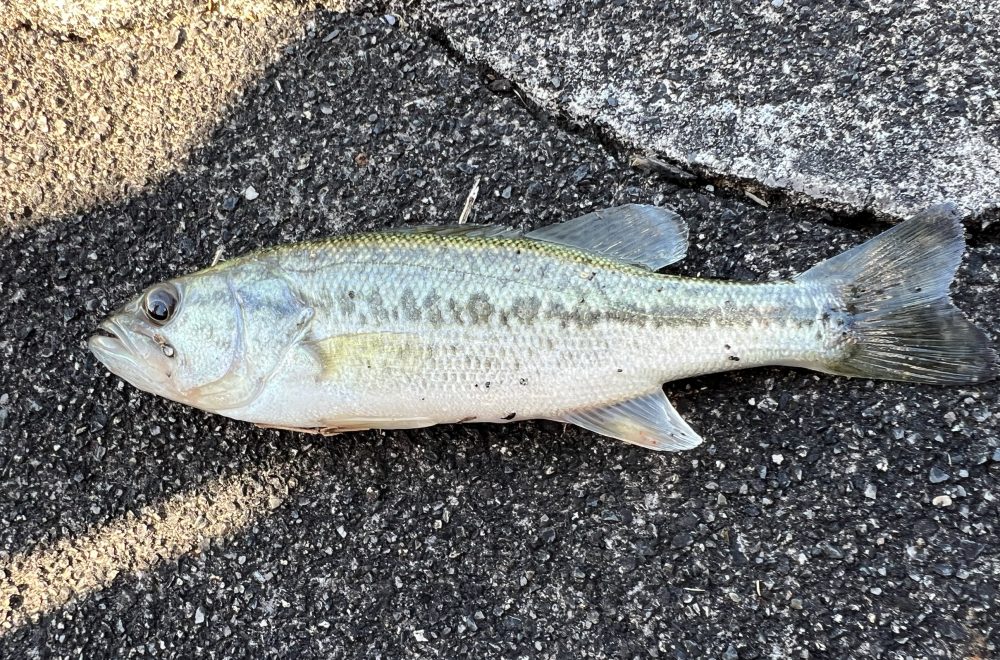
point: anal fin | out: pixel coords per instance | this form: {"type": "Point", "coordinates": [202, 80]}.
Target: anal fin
{"type": "Point", "coordinates": [648, 421]}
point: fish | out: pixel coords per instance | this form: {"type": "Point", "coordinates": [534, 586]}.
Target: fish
{"type": "Point", "coordinates": [572, 322]}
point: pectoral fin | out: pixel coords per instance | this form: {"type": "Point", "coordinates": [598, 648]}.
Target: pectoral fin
{"type": "Point", "coordinates": [387, 352]}
{"type": "Point", "coordinates": [648, 421]}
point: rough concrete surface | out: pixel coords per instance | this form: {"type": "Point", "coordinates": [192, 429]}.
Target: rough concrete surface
{"type": "Point", "coordinates": [883, 106]}
{"type": "Point", "coordinates": [89, 120]}
{"type": "Point", "coordinates": [823, 517]}
{"type": "Point", "coordinates": [98, 18]}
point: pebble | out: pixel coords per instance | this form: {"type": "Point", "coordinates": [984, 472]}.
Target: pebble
{"type": "Point", "coordinates": [937, 475]}
{"type": "Point", "coordinates": [681, 540]}
{"type": "Point", "coordinates": [501, 85]}
{"type": "Point", "coordinates": [871, 492]}
{"type": "Point", "coordinates": [179, 38]}
{"type": "Point", "coordinates": [229, 203]}
{"type": "Point", "coordinates": [832, 551]}
{"type": "Point", "coordinates": [250, 194]}
{"type": "Point", "coordinates": [941, 500]}
{"type": "Point", "coordinates": [199, 616]}
{"type": "Point", "coordinates": [419, 636]}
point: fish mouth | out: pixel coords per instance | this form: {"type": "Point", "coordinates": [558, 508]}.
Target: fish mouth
{"type": "Point", "coordinates": [108, 340]}
{"type": "Point", "coordinates": [102, 331]}
{"type": "Point", "coordinates": [115, 347]}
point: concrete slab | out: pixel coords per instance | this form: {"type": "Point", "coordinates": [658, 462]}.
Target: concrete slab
{"type": "Point", "coordinates": [884, 107]}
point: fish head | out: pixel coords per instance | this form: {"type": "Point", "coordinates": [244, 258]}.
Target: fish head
{"type": "Point", "coordinates": [173, 338]}
{"type": "Point", "coordinates": [209, 340]}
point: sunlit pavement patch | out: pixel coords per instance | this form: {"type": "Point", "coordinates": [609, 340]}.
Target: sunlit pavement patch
{"type": "Point", "coordinates": [93, 121]}
{"type": "Point", "coordinates": [37, 582]}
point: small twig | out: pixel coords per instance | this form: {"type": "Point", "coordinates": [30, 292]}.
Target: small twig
{"type": "Point", "coordinates": [469, 201]}
{"type": "Point", "coordinates": [756, 199]}
{"type": "Point", "coordinates": [652, 163]}
{"type": "Point", "coordinates": [218, 255]}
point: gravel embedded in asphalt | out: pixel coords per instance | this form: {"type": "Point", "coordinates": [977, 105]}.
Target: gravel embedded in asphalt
{"type": "Point", "coordinates": [523, 540]}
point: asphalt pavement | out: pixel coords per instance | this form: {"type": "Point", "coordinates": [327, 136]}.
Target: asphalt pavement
{"type": "Point", "coordinates": [823, 517]}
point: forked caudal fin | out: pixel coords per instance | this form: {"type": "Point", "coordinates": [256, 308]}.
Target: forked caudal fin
{"type": "Point", "coordinates": [900, 320]}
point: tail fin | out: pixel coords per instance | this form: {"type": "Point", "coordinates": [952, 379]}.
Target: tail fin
{"type": "Point", "coordinates": [899, 319]}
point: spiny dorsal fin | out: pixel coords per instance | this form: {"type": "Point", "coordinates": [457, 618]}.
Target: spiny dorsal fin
{"type": "Point", "coordinates": [477, 231]}
{"type": "Point", "coordinates": [637, 234]}
{"type": "Point", "coordinates": [648, 421]}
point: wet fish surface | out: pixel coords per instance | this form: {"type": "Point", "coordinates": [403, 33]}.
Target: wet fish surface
{"type": "Point", "coordinates": [570, 322]}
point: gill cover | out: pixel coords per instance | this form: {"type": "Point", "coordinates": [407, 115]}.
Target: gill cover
{"type": "Point", "coordinates": [269, 320]}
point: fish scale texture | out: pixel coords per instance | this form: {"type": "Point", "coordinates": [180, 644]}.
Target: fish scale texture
{"type": "Point", "coordinates": [804, 525]}
{"type": "Point", "coordinates": [416, 329]}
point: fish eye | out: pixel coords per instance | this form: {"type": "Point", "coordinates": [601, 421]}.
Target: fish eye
{"type": "Point", "coordinates": [160, 303]}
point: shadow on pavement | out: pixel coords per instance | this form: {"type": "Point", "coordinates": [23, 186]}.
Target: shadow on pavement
{"type": "Point", "coordinates": [531, 532]}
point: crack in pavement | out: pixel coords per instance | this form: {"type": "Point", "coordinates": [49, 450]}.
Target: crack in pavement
{"type": "Point", "coordinates": [390, 518]}
{"type": "Point", "coordinates": [982, 227]}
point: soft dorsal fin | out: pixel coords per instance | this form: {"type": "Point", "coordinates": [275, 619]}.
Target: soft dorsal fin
{"type": "Point", "coordinates": [648, 421]}
{"type": "Point", "coordinates": [477, 231]}
{"type": "Point", "coordinates": [637, 234]}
